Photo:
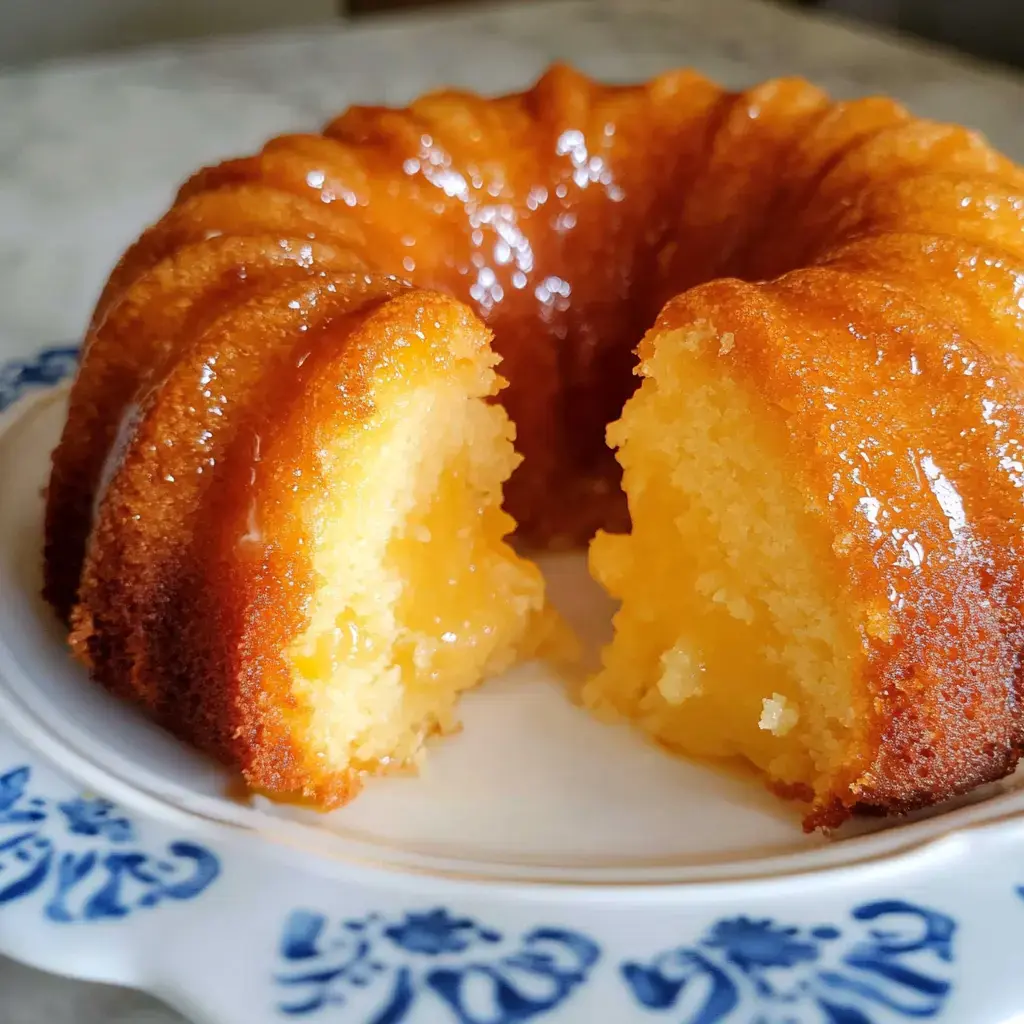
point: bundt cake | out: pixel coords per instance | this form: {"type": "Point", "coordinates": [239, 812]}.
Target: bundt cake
{"type": "Point", "coordinates": [274, 517]}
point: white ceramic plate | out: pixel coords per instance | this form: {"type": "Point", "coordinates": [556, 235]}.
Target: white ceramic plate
{"type": "Point", "coordinates": [544, 867]}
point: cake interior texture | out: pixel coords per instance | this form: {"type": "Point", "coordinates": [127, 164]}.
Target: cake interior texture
{"type": "Point", "coordinates": [418, 596]}
{"type": "Point", "coordinates": [729, 641]}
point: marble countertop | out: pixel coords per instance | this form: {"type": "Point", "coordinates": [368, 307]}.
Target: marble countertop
{"type": "Point", "coordinates": [92, 150]}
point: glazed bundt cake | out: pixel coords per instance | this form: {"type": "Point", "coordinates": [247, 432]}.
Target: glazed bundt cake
{"type": "Point", "coordinates": [274, 516]}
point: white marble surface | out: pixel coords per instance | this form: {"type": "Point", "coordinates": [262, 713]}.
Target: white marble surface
{"type": "Point", "coordinates": [90, 151]}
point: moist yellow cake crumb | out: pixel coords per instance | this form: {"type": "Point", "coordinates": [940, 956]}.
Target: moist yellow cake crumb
{"type": "Point", "coordinates": [778, 716]}
{"type": "Point", "coordinates": [419, 596]}
{"type": "Point", "coordinates": [724, 584]}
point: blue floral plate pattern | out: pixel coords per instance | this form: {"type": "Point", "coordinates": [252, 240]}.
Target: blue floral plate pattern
{"type": "Point", "coordinates": [108, 877]}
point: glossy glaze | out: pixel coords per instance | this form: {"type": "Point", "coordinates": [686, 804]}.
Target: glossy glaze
{"type": "Point", "coordinates": [566, 216]}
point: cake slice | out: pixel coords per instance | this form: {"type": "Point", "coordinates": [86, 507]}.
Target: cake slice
{"type": "Point", "coordinates": [801, 577]}
{"type": "Point", "coordinates": [314, 615]}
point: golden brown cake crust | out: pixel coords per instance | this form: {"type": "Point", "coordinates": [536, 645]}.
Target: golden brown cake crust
{"type": "Point", "coordinates": [566, 217]}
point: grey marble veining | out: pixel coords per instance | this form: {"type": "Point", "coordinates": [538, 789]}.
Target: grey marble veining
{"type": "Point", "coordinates": [91, 151]}
{"type": "Point", "coordinates": [31, 997]}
